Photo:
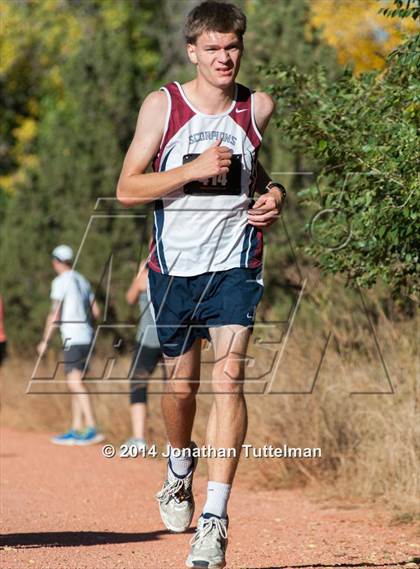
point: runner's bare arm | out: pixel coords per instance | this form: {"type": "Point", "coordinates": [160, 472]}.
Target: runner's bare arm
{"type": "Point", "coordinates": [132, 294]}
{"type": "Point", "coordinates": [264, 106]}
{"type": "Point", "coordinates": [138, 284]}
{"type": "Point", "coordinates": [96, 311]}
{"type": "Point", "coordinates": [267, 208]}
{"type": "Point", "coordinates": [53, 317]}
{"type": "Point", "coordinates": [262, 178]}
{"type": "Point", "coordinates": [134, 185]}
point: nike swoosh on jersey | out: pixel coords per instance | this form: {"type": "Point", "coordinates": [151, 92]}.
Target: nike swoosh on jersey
{"type": "Point", "coordinates": [240, 110]}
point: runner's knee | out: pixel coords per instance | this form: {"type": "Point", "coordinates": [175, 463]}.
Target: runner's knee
{"type": "Point", "coordinates": [182, 390]}
{"type": "Point", "coordinates": [75, 384]}
{"type": "Point", "coordinates": [227, 377]}
{"type": "Point", "coordinates": [74, 380]}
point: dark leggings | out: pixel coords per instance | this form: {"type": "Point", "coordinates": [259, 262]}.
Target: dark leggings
{"type": "Point", "coordinates": [3, 351]}
{"type": "Point", "coordinates": [138, 390]}
{"type": "Point", "coordinates": [144, 362]}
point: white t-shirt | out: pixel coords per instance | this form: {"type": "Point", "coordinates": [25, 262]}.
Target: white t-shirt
{"type": "Point", "coordinates": [75, 292]}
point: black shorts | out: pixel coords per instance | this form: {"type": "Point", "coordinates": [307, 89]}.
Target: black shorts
{"type": "Point", "coordinates": [3, 351]}
{"type": "Point", "coordinates": [76, 357]}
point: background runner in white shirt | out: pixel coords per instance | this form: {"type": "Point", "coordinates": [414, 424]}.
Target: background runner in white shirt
{"type": "Point", "coordinates": [73, 309]}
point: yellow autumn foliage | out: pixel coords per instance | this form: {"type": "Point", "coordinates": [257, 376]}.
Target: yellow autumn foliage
{"type": "Point", "coordinates": [361, 36]}
{"type": "Point", "coordinates": [26, 130]}
{"type": "Point", "coordinates": [23, 135]}
{"type": "Point", "coordinates": [114, 14]}
{"type": "Point", "coordinates": [9, 42]}
{"type": "Point", "coordinates": [52, 31]}
{"type": "Point", "coordinates": [55, 31]}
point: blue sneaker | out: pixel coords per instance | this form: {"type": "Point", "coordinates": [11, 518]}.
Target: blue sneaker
{"type": "Point", "coordinates": [67, 438]}
{"type": "Point", "coordinates": [89, 436]}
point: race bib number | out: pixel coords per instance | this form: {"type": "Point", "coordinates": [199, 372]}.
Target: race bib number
{"type": "Point", "coordinates": [229, 184]}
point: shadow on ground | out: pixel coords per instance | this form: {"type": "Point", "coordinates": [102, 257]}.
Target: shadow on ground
{"type": "Point", "coordinates": [77, 538]}
{"type": "Point", "coordinates": [362, 564]}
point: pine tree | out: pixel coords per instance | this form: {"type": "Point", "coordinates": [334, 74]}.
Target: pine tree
{"type": "Point", "coordinates": [83, 132]}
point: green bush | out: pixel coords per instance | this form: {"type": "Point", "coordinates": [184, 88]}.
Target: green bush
{"type": "Point", "coordinates": [361, 132]}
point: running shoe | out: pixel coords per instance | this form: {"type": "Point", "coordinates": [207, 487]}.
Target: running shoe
{"type": "Point", "coordinates": [140, 444]}
{"type": "Point", "coordinates": [176, 500]}
{"type": "Point", "coordinates": [68, 438]}
{"type": "Point", "coordinates": [90, 436]}
{"type": "Point", "coordinates": [208, 546]}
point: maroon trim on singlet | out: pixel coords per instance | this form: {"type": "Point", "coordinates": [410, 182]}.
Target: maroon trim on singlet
{"type": "Point", "coordinates": [153, 262]}
{"type": "Point", "coordinates": [242, 114]}
{"type": "Point", "coordinates": [255, 259]}
{"type": "Point", "coordinates": [181, 113]}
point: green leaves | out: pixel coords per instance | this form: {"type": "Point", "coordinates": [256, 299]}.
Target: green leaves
{"type": "Point", "coordinates": [360, 131]}
{"type": "Point", "coordinates": [74, 88]}
{"type": "Point", "coordinates": [411, 10]}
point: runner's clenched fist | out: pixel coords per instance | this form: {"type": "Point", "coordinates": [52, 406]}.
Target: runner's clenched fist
{"type": "Point", "coordinates": [212, 162]}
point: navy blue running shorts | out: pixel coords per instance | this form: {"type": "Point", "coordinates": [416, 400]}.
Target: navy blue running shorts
{"type": "Point", "coordinates": [186, 307]}
{"type": "Point", "coordinates": [76, 357]}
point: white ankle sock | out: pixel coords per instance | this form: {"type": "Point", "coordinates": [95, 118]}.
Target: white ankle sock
{"type": "Point", "coordinates": [180, 461]}
{"type": "Point", "coordinates": [217, 499]}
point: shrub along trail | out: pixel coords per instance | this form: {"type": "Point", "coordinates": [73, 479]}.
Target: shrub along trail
{"type": "Point", "coordinates": [72, 508]}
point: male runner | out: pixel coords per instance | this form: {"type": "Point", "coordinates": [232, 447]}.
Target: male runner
{"type": "Point", "coordinates": [206, 259]}
{"type": "Point", "coordinates": [73, 307]}
{"type": "Point", "coordinates": [147, 355]}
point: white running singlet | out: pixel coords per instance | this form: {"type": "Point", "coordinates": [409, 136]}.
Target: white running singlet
{"type": "Point", "coordinates": [195, 234]}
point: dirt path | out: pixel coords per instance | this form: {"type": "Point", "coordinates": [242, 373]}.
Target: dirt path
{"type": "Point", "coordinates": [71, 508]}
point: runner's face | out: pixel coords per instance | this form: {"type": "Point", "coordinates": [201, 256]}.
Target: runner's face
{"type": "Point", "coordinates": [217, 56]}
{"type": "Point", "coordinates": [55, 264]}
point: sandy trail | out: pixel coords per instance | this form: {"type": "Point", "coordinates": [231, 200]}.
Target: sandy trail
{"type": "Point", "coordinates": [72, 508]}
